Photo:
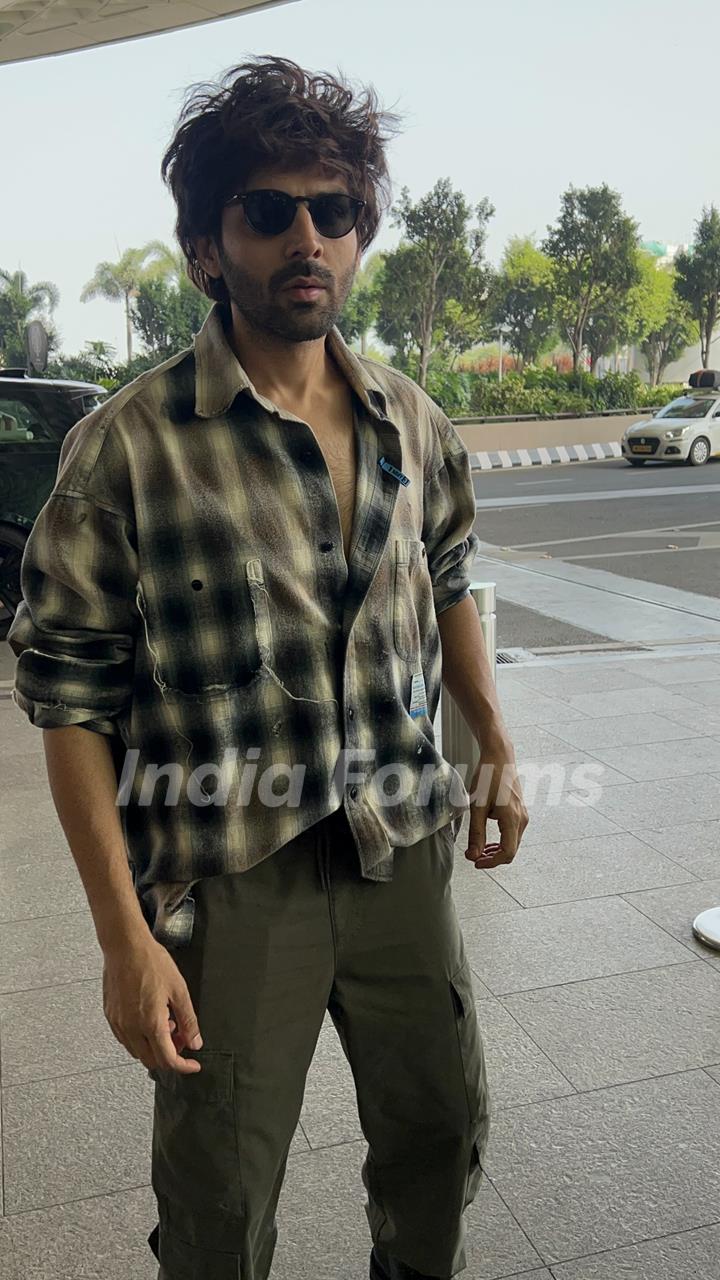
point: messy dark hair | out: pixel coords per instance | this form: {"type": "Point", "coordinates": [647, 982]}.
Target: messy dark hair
{"type": "Point", "coordinates": [270, 111]}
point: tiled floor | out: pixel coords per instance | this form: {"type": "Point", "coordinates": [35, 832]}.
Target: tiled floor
{"type": "Point", "coordinates": [600, 1015]}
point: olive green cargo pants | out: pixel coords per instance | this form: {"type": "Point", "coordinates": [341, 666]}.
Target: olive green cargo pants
{"type": "Point", "coordinates": [272, 949]}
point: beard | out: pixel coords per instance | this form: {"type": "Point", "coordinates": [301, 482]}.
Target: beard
{"type": "Point", "coordinates": [269, 310]}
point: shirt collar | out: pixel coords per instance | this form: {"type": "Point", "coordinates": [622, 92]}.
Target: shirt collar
{"type": "Point", "coordinates": [219, 376]}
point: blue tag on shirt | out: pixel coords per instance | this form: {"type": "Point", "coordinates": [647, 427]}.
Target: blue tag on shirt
{"type": "Point", "coordinates": [418, 696]}
{"type": "Point", "coordinates": [393, 471]}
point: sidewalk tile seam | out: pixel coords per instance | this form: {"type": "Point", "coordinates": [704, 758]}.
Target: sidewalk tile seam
{"type": "Point", "coordinates": [571, 1087]}
{"type": "Point", "coordinates": [592, 897]}
{"type": "Point", "coordinates": [687, 945]}
{"type": "Point", "coordinates": [604, 1088]}
{"type": "Point", "coordinates": [615, 973]}
{"type": "Point", "coordinates": [691, 874]}
{"type": "Point", "coordinates": [518, 1224]}
{"type": "Point", "coordinates": [60, 1204]}
{"type": "Point", "coordinates": [619, 1248]}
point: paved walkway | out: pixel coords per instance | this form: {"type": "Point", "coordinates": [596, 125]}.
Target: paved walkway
{"type": "Point", "coordinates": [600, 1014]}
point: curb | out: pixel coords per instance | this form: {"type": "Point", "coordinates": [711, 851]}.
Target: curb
{"type": "Point", "coordinates": [544, 456]}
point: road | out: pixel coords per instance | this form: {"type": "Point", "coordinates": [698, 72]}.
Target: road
{"type": "Point", "coordinates": [602, 553]}
{"type": "Point", "coordinates": [586, 554]}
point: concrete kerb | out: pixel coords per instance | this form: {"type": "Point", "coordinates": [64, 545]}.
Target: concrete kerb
{"type": "Point", "coordinates": [543, 456]}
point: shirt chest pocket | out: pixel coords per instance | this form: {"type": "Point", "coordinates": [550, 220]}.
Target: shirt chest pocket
{"type": "Point", "coordinates": [204, 634]}
{"type": "Point", "coordinates": [411, 591]}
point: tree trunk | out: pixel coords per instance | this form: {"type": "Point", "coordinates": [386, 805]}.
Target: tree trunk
{"type": "Point", "coordinates": [128, 327]}
{"type": "Point", "coordinates": [425, 353]}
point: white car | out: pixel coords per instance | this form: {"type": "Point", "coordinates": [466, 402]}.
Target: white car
{"type": "Point", "coordinates": [685, 430]}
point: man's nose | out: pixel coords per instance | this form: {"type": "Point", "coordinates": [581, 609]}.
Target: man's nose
{"type": "Point", "coordinates": [303, 239]}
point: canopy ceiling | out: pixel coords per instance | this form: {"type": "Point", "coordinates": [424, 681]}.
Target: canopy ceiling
{"type": "Point", "coordinates": [38, 28]}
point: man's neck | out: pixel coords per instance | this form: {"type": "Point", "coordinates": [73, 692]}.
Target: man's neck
{"type": "Point", "coordinates": [287, 373]}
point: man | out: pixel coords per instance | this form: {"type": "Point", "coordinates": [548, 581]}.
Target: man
{"type": "Point", "coordinates": [262, 547]}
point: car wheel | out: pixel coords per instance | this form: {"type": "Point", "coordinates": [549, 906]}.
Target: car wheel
{"type": "Point", "coordinates": [699, 452]}
{"type": "Point", "coordinates": [637, 462]}
{"type": "Point", "coordinates": [12, 545]}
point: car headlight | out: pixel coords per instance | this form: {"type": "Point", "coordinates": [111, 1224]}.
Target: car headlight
{"type": "Point", "coordinates": [676, 433]}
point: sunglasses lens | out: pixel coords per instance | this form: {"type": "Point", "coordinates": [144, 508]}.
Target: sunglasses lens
{"type": "Point", "coordinates": [335, 215]}
{"type": "Point", "coordinates": [269, 212]}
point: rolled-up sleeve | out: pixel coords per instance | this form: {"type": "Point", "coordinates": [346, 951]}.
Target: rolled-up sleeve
{"type": "Point", "coordinates": [75, 629]}
{"type": "Point", "coordinates": [448, 518]}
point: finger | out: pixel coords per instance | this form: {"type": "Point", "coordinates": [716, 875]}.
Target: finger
{"type": "Point", "coordinates": [498, 859]}
{"type": "Point", "coordinates": [188, 1031]}
{"type": "Point", "coordinates": [166, 1055]}
{"type": "Point", "coordinates": [477, 832]}
{"type": "Point", "coordinates": [509, 824]}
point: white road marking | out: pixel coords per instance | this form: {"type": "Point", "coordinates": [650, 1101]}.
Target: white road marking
{"type": "Point", "coordinates": [533, 500]}
{"type": "Point", "coordinates": [646, 551]}
{"type": "Point", "coordinates": [629, 533]}
{"type": "Point", "coordinates": [621, 608]}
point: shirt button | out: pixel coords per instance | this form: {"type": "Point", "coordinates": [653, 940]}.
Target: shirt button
{"type": "Point", "coordinates": [326, 546]}
{"type": "Point", "coordinates": [351, 713]}
{"type": "Point", "coordinates": [353, 793]}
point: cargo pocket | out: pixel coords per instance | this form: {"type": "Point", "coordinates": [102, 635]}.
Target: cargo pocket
{"type": "Point", "coordinates": [195, 1156]}
{"type": "Point", "coordinates": [474, 1071]}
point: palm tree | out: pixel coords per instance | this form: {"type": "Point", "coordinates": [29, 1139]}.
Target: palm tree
{"type": "Point", "coordinates": [19, 302]}
{"type": "Point", "coordinates": [120, 280]}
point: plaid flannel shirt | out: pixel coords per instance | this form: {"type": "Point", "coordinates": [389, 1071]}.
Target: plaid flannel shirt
{"type": "Point", "coordinates": [185, 590]}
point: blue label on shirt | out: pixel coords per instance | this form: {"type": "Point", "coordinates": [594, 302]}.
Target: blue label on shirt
{"type": "Point", "coordinates": [393, 471]}
{"type": "Point", "coordinates": [418, 696]}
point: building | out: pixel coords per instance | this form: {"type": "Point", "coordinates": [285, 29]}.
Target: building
{"type": "Point", "coordinates": [39, 28]}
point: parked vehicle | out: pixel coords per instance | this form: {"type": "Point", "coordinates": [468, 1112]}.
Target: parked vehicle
{"type": "Point", "coordinates": [685, 430]}
{"type": "Point", "coordinates": [35, 416]}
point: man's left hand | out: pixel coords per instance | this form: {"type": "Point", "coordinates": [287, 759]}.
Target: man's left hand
{"type": "Point", "coordinates": [499, 797]}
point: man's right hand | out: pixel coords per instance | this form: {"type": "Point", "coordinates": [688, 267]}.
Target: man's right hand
{"type": "Point", "coordinates": [140, 981]}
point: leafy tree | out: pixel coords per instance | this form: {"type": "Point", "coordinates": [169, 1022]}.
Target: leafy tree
{"type": "Point", "coordinates": [522, 299]}
{"type": "Point", "coordinates": [360, 310]}
{"type": "Point", "coordinates": [119, 281]}
{"type": "Point", "coordinates": [593, 249]}
{"type": "Point", "coordinates": [440, 260]}
{"type": "Point", "coordinates": [21, 302]}
{"type": "Point", "coordinates": [94, 364]}
{"type": "Point", "coordinates": [167, 316]}
{"type": "Point", "coordinates": [126, 373]}
{"type": "Point", "coordinates": [698, 278]}
{"type": "Point", "coordinates": [672, 330]}
{"type": "Point", "coordinates": [627, 316]}
{"type": "Point", "coordinates": [101, 356]}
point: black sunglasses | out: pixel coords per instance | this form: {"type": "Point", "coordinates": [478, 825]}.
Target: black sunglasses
{"type": "Point", "coordinates": [272, 212]}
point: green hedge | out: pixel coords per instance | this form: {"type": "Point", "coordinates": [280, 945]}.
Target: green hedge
{"type": "Point", "coordinates": [543, 391]}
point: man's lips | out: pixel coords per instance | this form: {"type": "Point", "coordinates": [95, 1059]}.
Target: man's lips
{"type": "Point", "coordinates": [306, 292]}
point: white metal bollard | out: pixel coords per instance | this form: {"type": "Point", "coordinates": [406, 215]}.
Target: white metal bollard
{"type": "Point", "coordinates": [455, 739]}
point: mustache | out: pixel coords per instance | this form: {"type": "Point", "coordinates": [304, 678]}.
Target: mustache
{"type": "Point", "coordinates": [303, 269]}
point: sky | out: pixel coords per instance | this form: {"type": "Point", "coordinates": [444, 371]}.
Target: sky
{"type": "Point", "coordinates": [513, 101]}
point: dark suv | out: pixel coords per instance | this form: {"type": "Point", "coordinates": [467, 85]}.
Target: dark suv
{"type": "Point", "coordinates": [35, 416]}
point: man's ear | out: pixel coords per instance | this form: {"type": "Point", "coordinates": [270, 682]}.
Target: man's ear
{"type": "Point", "coordinates": [207, 255]}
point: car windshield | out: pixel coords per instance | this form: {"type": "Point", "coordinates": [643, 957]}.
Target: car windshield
{"type": "Point", "coordinates": [687, 407]}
